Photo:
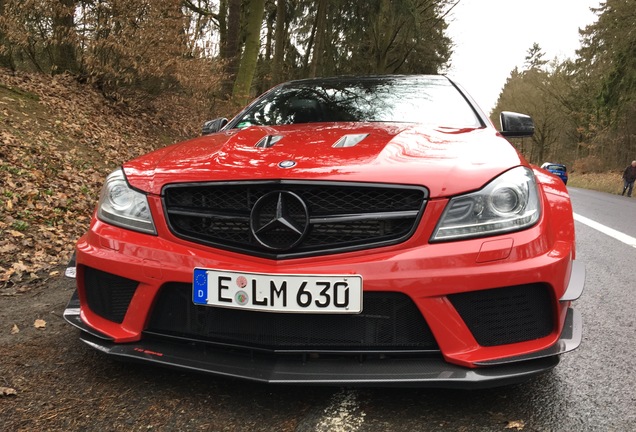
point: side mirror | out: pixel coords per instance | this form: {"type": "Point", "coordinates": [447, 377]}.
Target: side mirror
{"type": "Point", "coordinates": [212, 126]}
{"type": "Point", "coordinates": [515, 125]}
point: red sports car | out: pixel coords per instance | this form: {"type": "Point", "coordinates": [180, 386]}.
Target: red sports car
{"type": "Point", "coordinates": [369, 230]}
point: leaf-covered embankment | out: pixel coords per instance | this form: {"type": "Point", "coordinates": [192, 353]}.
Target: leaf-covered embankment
{"type": "Point", "coordinates": [58, 141]}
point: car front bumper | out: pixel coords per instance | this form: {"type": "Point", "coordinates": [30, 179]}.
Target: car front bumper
{"type": "Point", "coordinates": [430, 371]}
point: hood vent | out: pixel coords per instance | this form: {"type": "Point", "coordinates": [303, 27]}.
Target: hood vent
{"type": "Point", "coordinates": [349, 140]}
{"type": "Point", "coordinates": [268, 141]}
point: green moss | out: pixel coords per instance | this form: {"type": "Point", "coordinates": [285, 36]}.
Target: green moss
{"type": "Point", "coordinates": [21, 93]}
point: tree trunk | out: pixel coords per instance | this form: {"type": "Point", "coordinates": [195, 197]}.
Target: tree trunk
{"type": "Point", "coordinates": [264, 80]}
{"type": "Point", "coordinates": [270, 19]}
{"type": "Point", "coordinates": [245, 74]}
{"type": "Point", "coordinates": [310, 45]}
{"type": "Point", "coordinates": [222, 26]}
{"type": "Point", "coordinates": [231, 48]}
{"type": "Point", "coordinates": [279, 42]}
{"type": "Point", "coordinates": [319, 47]}
{"type": "Point", "coordinates": [64, 53]}
{"type": "Point", "coordinates": [382, 25]}
{"type": "Point", "coordinates": [5, 52]}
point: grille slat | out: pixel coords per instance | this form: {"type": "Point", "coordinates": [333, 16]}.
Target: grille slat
{"type": "Point", "coordinates": [389, 321]}
{"type": "Point", "coordinates": [342, 216]}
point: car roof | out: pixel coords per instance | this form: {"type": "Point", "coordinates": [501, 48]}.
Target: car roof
{"type": "Point", "coordinates": [363, 78]}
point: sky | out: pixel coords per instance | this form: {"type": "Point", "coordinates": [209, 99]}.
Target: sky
{"type": "Point", "coordinates": [491, 37]}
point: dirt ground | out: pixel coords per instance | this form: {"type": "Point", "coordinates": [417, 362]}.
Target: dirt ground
{"type": "Point", "coordinates": [50, 381]}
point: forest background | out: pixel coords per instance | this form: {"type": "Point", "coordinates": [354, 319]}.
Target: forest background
{"type": "Point", "coordinates": [87, 84]}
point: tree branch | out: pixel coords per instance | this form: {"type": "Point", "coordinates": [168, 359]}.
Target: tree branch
{"type": "Point", "coordinates": [201, 11]}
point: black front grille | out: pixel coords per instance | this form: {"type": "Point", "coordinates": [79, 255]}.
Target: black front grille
{"type": "Point", "coordinates": [389, 322]}
{"type": "Point", "coordinates": [108, 295]}
{"type": "Point", "coordinates": [342, 216]}
{"type": "Point", "coordinates": [507, 315]}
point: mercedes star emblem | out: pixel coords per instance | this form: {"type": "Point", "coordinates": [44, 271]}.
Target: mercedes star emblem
{"type": "Point", "coordinates": [287, 164]}
{"type": "Point", "coordinates": [279, 220]}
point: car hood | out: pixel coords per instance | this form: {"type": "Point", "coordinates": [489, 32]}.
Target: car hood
{"type": "Point", "coordinates": [446, 161]}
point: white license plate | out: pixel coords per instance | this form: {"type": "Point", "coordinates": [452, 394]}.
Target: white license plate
{"type": "Point", "coordinates": [278, 292]}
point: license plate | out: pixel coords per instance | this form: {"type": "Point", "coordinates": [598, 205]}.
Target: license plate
{"type": "Point", "coordinates": [278, 292]}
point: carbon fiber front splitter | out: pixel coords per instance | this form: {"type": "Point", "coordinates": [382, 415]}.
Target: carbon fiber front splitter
{"type": "Point", "coordinates": [379, 372]}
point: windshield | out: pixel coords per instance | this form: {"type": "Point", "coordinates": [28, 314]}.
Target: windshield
{"type": "Point", "coordinates": [427, 100]}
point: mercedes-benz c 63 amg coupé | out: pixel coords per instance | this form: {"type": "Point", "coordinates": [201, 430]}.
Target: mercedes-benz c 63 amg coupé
{"type": "Point", "coordinates": [350, 231]}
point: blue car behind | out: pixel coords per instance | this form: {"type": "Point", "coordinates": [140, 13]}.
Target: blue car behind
{"type": "Point", "coordinates": [559, 170]}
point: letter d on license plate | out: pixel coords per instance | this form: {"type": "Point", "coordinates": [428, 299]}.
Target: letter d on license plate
{"type": "Point", "coordinates": [277, 292]}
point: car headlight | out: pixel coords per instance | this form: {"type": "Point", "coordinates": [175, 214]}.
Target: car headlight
{"type": "Point", "coordinates": [508, 203]}
{"type": "Point", "coordinates": [124, 207]}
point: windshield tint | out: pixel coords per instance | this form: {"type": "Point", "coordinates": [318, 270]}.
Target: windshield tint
{"type": "Point", "coordinates": [427, 100]}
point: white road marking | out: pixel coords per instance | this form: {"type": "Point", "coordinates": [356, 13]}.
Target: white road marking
{"type": "Point", "coordinates": [628, 240]}
{"type": "Point", "coordinates": [343, 413]}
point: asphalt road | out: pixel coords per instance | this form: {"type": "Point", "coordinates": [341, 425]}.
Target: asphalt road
{"type": "Point", "coordinates": [64, 385]}
{"type": "Point", "coordinates": [592, 389]}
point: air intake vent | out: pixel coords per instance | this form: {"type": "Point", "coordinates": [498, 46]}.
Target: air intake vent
{"type": "Point", "coordinates": [389, 322]}
{"type": "Point", "coordinates": [268, 141]}
{"type": "Point", "coordinates": [349, 140]}
{"type": "Point", "coordinates": [108, 295]}
{"type": "Point", "coordinates": [507, 315]}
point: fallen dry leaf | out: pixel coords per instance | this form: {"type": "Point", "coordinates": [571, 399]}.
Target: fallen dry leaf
{"type": "Point", "coordinates": [15, 329]}
{"type": "Point", "coordinates": [39, 324]}
{"type": "Point", "coordinates": [516, 424]}
{"type": "Point", "coordinates": [7, 391]}
{"type": "Point", "coordinates": [55, 153]}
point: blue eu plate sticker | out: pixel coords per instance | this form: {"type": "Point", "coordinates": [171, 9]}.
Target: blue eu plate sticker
{"type": "Point", "coordinates": [200, 287]}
